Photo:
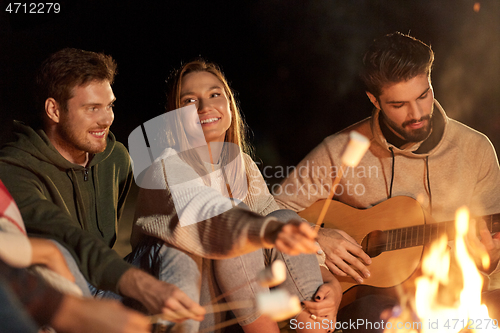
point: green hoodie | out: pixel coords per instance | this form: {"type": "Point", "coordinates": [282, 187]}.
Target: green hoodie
{"type": "Point", "coordinates": [77, 206]}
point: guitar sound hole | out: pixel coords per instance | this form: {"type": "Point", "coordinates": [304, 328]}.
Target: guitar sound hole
{"type": "Point", "coordinates": [374, 243]}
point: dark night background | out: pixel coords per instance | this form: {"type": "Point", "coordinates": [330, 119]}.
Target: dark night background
{"type": "Point", "coordinates": [293, 64]}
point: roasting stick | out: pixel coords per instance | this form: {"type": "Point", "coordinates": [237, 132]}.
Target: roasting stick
{"type": "Point", "coordinates": [271, 276]}
{"type": "Point", "coordinates": [354, 151]}
{"type": "Point", "coordinates": [211, 308]}
{"type": "Point", "coordinates": [278, 305]}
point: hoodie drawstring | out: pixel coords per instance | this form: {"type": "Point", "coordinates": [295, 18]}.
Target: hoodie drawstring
{"type": "Point", "coordinates": [427, 176]}
{"type": "Point", "coordinates": [429, 182]}
{"type": "Point", "coordinates": [392, 171]}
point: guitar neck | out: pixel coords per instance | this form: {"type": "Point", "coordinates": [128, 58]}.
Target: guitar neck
{"type": "Point", "coordinates": [426, 233]}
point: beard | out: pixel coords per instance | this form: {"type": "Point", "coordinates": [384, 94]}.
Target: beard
{"type": "Point", "coordinates": [73, 141]}
{"type": "Point", "coordinates": [411, 135]}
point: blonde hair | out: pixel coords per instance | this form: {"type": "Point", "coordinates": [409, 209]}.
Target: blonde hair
{"type": "Point", "coordinates": [237, 130]}
{"type": "Point", "coordinates": [236, 133]}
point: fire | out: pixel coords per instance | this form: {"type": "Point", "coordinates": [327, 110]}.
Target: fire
{"type": "Point", "coordinates": [439, 303]}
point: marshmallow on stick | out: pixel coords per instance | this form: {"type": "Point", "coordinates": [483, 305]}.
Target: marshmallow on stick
{"type": "Point", "coordinates": [271, 276]}
{"type": "Point", "coordinates": [352, 155]}
{"type": "Point", "coordinates": [355, 149]}
{"type": "Point", "coordinates": [278, 304]}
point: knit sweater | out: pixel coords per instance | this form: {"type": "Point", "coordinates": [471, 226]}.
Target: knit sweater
{"type": "Point", "coordinates": [221, 230]}
{"type": "Point", "coordinates": [77, 206]}
{"type": "Point", "coordinates": [455, 166]}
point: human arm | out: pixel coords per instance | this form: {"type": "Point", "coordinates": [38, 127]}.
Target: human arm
{"type": "Point", "coordinates": [247, 230]}
{"type": "Point", "coordinates": [45, 252]}
{"type": "Point", "coordinates": [67, 313]}
{"type": "Point", "coordinates": [158, 296]}
{"type": "Point", "coordinates": [485, 201]}
{"type": "Point", "coordinates": [17, 249]}
{"type": "Point", "coordinates": [293, 238]}
{"type": "Point", "coordinates": [44, 214]}
{"type": "Point", "coordinates": [326, 300]}
{"type": "Point", "coordinates": [82, 315]}
{"type": "Point", "coordinates": [492, 246]}
{"type": "Point", "coordinates": [483, 245]}
{"type": "Point", "coordinates": [344, 256]}
{"type": "Point", "coordinates": [30, 291]}
{"type": "Point", "coordinates": [311, 181]}
{"type": "Point", "coordinates": [223, 231]}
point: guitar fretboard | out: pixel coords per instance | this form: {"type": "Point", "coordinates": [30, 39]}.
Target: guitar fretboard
{"type": "Point", "coordinates": [400, 238]}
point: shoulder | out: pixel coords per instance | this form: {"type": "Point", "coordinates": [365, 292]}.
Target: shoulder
{"type": "Point", "coordinates": [466, 136]}
{"type": "Point", "coordinates": [250, 165]}
{"type": "Point", "coordinates": [120, 152]}
{"type": "Point", "coordinates": [247, 159]}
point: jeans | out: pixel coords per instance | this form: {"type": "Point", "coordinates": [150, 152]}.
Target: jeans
{"type": "Point", "coordinates": [172, 266]}
{"type": "Point", "coordinates": [303, 274]}
{"type": "Point", "coordinates": [204, 279]}
{"type": "Point", "coordinates": [80, 281]}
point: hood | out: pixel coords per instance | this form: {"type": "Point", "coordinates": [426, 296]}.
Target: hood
{"type": "Point", "coordinates": [36, 143]}
{"type": "Point", "coordinates": [414, 149]}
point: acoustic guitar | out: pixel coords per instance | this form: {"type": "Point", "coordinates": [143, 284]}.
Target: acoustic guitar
{"type": "Point", "coordinates": [393, 233]}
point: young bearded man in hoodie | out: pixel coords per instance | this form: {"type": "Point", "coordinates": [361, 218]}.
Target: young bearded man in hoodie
{"type": "Point", "coordinates": [70, 178]}
{"type": "Point", "coordinates": [416, 151]}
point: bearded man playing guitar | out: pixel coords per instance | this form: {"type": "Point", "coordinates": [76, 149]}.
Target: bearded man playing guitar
{"type": "Point", "coordinates": [416, 151]}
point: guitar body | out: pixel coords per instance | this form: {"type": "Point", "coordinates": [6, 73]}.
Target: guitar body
{"type": "Point", "coordinates": [389, 268]}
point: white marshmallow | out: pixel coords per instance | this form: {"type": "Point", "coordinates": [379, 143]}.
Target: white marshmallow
{"type": "Point", "coordinates": [355, 149]}
{"type": "Point", "coordinates": [278, 304]}
{"type": "Point", "coordinates": [272, 275]}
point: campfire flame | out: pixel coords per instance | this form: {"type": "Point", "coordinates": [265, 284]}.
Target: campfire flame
{"type": "Point", "coordinates": [448, 311]}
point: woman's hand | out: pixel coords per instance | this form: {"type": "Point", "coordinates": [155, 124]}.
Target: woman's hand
{"type": "Point", "coordinates": [294, 237]}
{"type": "Point", "coordinates": [326, 301]}
{"type": "Point", "coordinates": [323, 308]}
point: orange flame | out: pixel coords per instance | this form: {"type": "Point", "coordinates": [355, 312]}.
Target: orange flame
{"type": "Point", "coordinates": [464, 311]}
